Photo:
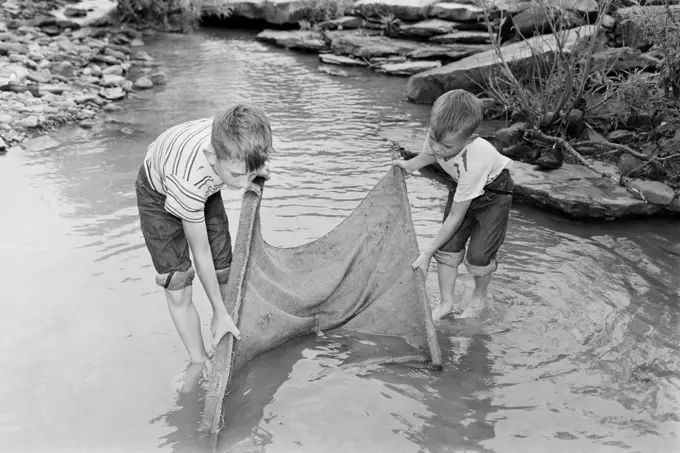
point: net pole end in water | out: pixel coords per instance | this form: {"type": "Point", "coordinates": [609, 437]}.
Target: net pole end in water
{"type": "Point", "coordinates": [212, 418]}
{"type": "Point", "coordinates": [420, 277]}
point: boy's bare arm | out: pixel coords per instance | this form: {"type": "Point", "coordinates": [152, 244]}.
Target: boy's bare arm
{"type": "Point", "coordinates": [197, 236]}
{"type": "Point", "coordinates": [450, 226]}
{"type": "Point", "coordinates": [416, 163]}
{"type": "Point", "coordinates": [446, 232]}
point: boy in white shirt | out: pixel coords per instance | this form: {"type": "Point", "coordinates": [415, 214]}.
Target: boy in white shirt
{"type": "Point", "coordinates": [477, 209]}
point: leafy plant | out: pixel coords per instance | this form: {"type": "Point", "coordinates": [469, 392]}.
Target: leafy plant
{"type": "Point", "coordinates": [660, 28]}
{"type": "Point", "coordinates": [324, 10]}
{"type": "Point", "coordinates": [390, 24]}
{"type": "Point", "coordinates": [165, 15]}
{"type": "Point", "coordinates": [549, 85]}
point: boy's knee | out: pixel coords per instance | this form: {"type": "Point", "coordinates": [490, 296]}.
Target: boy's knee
{"type": "Point", "coordinates": [223, 276]}
{"type": "Point", "coordinates": [480, 270]}
{"type": "Point", "coordinates": [452, 259]}
{"type": "Point", "coordinates": [176, 280]}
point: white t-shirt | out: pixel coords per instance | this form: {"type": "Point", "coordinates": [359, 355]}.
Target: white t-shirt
{"type": "Point", "coordinates": [473, 168]}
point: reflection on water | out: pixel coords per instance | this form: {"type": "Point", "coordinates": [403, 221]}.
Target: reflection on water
{"type": "Point", "coordinates": [578, 351]}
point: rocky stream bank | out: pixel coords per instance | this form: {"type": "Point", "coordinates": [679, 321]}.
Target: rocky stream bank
{"type": "Point", "coordinates": [440, 45]}
{"type": "Point", "coordinates": [62, 63]}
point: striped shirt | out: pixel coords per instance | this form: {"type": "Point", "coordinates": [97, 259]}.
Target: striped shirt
{"type": "Point", "coordinates": [176, 166]}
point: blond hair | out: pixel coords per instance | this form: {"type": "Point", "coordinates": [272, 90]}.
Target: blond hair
{"type": "Point", "coordinates": [456, 111]}
{"type": "Point", "coordinates": [242, 133]}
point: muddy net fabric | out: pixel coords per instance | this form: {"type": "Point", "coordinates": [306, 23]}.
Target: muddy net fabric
{"type": "Point", "coordinates": [357, 278]}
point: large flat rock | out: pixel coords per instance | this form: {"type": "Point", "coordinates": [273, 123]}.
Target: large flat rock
{"type": "Point", "coordinates": [458, 12]}
{"type": "Point", "coordinates": [96, 9]}
{"type": "Point", "coordinates": [428, 28]}
{"type": "Point", "coordinates": [285, 12]}
{"type": "Point", "coordinates": [572, 190]}
{"type": "Point", "coordinates": [406, 10]}
{"type": "Point", "coordinates": [470, 73]}
{"type": "Point", "coordinates": [329, 58]}
{"type": "Point", "coordinates": [310, 41]}
{"type": "Point", "coordinates": [371, 46]}
{"type": "Point", "coordinates": [452, 52]}
{"type": "Point", "coordinates": [413, 10]}
{"type": "Point", "coordinates": [407, 68]}
{"type": "Point", "coordinates": [350, 47]}
{"type": "Point", "coordinates": [462, 37]}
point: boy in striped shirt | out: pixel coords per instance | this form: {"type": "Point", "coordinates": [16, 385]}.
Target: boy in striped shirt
{"type": "Point", "coordinates": [181, 209]}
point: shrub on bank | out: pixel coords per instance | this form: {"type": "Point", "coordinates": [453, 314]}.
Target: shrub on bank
{"type": "Point", "coordinates": [325, 10]}
{"type": "Point", "coordinates": [573, 96]}
{"type": "Point", "coordinates": [169, 15]}
{"type": "Point", "coordinates": [185, 15]}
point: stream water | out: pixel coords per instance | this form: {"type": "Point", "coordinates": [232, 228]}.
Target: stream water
{"type": "Point", "coordinates": [579, 351]}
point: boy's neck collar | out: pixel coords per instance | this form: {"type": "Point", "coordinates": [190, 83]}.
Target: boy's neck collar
{"type": "Point", "coordinates": [466, 143]}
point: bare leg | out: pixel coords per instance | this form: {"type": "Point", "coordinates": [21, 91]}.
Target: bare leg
{"type": "Point", "coordinates": [478, 298]}
{"type": "Point", "coordinates": [447, 276]}
{"type": "Point", "coordinates": [187, 322]}
{"type": "Point", "coordinates": [191, 377]}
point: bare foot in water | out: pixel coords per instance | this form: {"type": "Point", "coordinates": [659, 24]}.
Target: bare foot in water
{"type": "Point", "coordinates": [221, 325]}
{"type": "Point", "coordinates": [475, 307]}
{"type": "Point", "coordinates": [444, 309]}
{"type": "Point", "coordinates": [191, 377]}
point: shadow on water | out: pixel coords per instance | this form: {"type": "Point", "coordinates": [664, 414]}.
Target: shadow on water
{"type": "Point", "coordinates": [327, 404]}
{"type": "Point", "coordinates": [251, 390]}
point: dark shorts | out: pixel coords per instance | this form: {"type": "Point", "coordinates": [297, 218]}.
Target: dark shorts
{"type": "Point", "coordinates": [485, 225]}
{"type": "Point", "coordinates": [165, 239]}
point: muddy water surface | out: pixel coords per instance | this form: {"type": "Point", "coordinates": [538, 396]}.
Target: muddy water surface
{"type": "Point", "coordinates": [577, 353]}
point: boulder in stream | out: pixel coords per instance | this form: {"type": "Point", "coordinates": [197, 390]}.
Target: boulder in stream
{"type": "Point", "coordinates": [428, 28]}
{"type": "Point", "coordinates": [298, 39]}
{"type": "Point", "coordinates": [462, 37]}
{"type": "Point", "coordinates": [371, 46]}
{"type": "Point", "coordinates": [675, 204]}
{"type": "Point", "coordinates": [112, 94]}
{"type": "Point", "coordinates": [407, 10]}
{"type": "Point", "coordinates": [471, 72]}
{"type": "Point", "coordinates": [330, 58]}
{"type": "Point", "coordinates": [449, 52]}
{"type": "Point", "coordinates": [654, 191]}
{"type": "Point", "coordinates": [459, 12]}
{"type": "Point", "coordinates": [41, 143]}
{"type": "Point", "coordinates": [408, 68]}
{"type": "Point", "coordinates": [143, 83]}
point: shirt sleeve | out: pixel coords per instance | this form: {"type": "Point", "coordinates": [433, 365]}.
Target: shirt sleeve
{"type": "Point", "coordinates": [184, 200]}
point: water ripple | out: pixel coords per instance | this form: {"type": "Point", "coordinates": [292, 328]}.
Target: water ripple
{"type": "Point", "coordinates": [579, 350]}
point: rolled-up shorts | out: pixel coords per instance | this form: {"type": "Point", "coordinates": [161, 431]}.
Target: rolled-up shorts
{"type": "Point", "coordinates": [485, 225]}
{"type": "Point", "coordinates": [167, 244]}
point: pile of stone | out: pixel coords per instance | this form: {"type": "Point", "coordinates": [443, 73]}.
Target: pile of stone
{"type": "Point", "coordinates": [54, 72]}
{"type": "Point", "coordinates": [392, 36]}
{"type": "Point", "coordinates": [409, 37]}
